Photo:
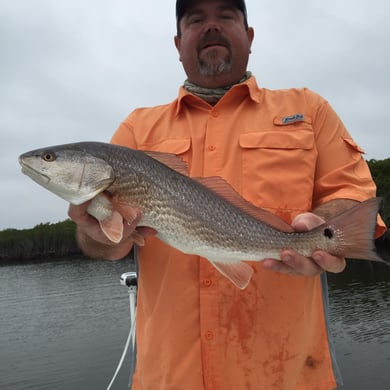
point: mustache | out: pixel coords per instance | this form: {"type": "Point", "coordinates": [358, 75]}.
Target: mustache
{"type": "Point", "coordinates": [212, 38]}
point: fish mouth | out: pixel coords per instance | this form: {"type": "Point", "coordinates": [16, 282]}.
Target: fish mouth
{"type": "Point", "coordinates": [34, 174]}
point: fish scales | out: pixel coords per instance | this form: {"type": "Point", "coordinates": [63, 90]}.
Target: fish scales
{"type": "Point", "coordinates": [178, 207]}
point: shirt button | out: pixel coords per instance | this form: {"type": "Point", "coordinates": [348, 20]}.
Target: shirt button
{"type": "Point", "coordinates": [212, 148]}
{"type": "Point", "coordinates": [209, 335]}
{"type": "Point", "coordinates": [207, 282]}
{"type": "Point", "coordinates": [215, 114]}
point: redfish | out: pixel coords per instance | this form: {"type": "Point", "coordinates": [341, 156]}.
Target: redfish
{"type": "Point", "coordinates": [202, 216]}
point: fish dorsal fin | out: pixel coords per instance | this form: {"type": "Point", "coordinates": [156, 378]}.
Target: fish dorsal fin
{"type": "Point", "coordinates": [223, 189]}
{"type": "Point", "coordinates": [171, 160]}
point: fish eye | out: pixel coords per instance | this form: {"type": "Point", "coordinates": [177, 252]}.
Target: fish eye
{"type": "Point", "coordinates": [328, 233]}
{"type": "Point", "coordinates": [48, 156]}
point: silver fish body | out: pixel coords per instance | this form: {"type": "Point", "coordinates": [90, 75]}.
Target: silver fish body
{"type": "Point", "coordinates": [205, 216]}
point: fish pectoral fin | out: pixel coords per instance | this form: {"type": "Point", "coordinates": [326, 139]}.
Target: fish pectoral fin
{"type": "Point", "coordinates": [239, 273]}
{"type": "Point", "coordinates": [100, 207]}
{"type": "Point", "coordinates": [112, 227]}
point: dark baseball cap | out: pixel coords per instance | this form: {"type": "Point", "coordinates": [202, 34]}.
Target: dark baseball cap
{"type": "Point", "coordinates": [182, 6]}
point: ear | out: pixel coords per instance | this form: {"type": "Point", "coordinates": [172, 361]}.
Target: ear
{"type": "Point", "coordinates": [177, 42]}
{"type": "Point", "coordinates": [177, 45]}
{"type": "Point", "coordinates": [251, 35]}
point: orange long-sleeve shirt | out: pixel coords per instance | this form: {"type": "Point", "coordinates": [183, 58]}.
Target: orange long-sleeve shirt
{"type": "Point", "coordinates": [286, 151]}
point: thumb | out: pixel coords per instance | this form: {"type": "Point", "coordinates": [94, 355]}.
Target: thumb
{"type": "Point", "coordinates": [306, 221]}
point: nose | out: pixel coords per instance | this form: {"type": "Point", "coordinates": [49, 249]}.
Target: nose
{"type": "Point", "coordinates": [212, 24]}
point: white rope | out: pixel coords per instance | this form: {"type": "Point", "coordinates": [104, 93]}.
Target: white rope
{"type": "Point", "coordinates": [131, 337]}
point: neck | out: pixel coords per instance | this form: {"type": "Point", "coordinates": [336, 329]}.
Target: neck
{"type": "Point", "coordinates": [212, 95]}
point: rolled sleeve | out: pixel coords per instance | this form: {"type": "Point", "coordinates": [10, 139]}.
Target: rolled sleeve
{"type": "Point", "coordinates": [341, 170]}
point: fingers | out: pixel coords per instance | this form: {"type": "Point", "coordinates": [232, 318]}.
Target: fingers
{"type": "Point", "coordinates": [319, 260]}
{"type": "Point", "coordinates": [90, 226]}
{"type": "Point", "coordinates": [133, 217]}
{"type": "Point", "coordinates": [91, 238]}
{"type": "Point", "coordinates": [86, 224]}
{"type": "Point", "coordinates": [78, 214]}
{"type": "Point", "coordinates": [146, 231]}
{"type": "Point", "coordinates": [306, 221]}
{"type": "Point", "coordinates": [129, 214]}
{"type": "Point", "coordinates": [328, 262]}
{"type": "Point", "coordinates": [292, 263]}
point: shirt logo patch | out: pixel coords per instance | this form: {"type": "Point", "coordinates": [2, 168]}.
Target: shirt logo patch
{"type": "Point", "coordinates": [293, 118]}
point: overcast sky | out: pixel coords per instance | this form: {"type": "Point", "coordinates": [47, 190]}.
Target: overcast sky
{"type": "Point", "coordinates": [73, 70]}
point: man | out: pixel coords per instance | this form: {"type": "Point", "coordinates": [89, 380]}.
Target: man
{"type": "Point", "coordinates": [286, 151]}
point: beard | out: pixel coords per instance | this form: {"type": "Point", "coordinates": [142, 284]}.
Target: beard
{"type": "Point", "coordinates": [214, 61]}
{"type": "Point", "coordinates": [212, 66]}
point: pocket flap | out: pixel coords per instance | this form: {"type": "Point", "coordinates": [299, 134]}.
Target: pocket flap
{"type": "Point", "coordinates": [175, 146]}
{"type": "Point", "coordinates": [297, 139]}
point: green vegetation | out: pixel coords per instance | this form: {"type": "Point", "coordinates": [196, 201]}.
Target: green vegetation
{"type": "Point", "coordinates": [380, 170]}
{"type": "Point", "coordinates": [43, 241]}
{"type": "Point", "coordinates": [58, 240]}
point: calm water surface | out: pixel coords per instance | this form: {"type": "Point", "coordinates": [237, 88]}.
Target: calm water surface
{"type": "Point", "coordinates": [63, 326]}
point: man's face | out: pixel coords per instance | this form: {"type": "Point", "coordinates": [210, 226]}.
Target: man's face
{"type": "Point", "coordinates": [214, 45]}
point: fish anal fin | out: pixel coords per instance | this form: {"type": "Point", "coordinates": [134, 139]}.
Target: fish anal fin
{"type": "Point", "coordinates": [239, 273]}
{"type": "Point", "coordinates": [171, 160]}
{"type": "Point", "coordinates": [223, 189]}
{"type": "Point", "coordinates": [112, 227]}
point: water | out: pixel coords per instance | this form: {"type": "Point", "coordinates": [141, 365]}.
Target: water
{"type": "Point", "coordinates": [360, 315]}
{"type": "Point", "coordinates": [63, 326]}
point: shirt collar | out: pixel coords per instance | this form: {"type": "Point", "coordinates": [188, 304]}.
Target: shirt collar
{"type": "Point", "coordinates": [250, 86]}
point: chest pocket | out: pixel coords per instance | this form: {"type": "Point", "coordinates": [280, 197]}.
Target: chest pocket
{"type": "Point", "coordinates": [278, 169]}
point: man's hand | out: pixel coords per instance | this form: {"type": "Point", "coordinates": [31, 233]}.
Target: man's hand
{"type": "Point", "coordinates": [293, 263]}
{"type": "Point", "coordinates": [93, 241]}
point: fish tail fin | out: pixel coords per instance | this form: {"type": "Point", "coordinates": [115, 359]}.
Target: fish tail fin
{"type": "Point", "coordinates": [358, 226]}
